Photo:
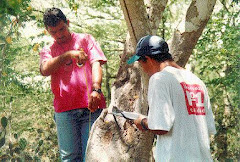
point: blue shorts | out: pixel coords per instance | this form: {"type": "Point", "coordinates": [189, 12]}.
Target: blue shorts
{"type": "Point", "coordinates": [73, 132]}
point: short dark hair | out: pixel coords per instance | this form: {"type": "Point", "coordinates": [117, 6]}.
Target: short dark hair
{"type": "Point", "coordinates": [158, 57]}
{"type": "Point", "coordinates": [53, 16]}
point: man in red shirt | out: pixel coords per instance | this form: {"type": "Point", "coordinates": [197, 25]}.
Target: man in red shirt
{"type": "Point", "coordinates": [74, 63]}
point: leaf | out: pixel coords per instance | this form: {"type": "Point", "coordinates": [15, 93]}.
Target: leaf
{"type": "Point", "coordinates": [10, 145]}
{"type": "Point", "coordinates": [17, 150]}
{"type": "Point", "coordinates": [15, 136]}
{"type": "Point", "coordinates": [9, 40]}
{"type": "Point", "coordinates": [22, 143]}
{"type": "Point", "coordinates": [40, 142]}
{"type": "Point", "coordinates": [37, 150]}
{"type": "Point", "coordinates": [2, 142]}
{"type": "Point", "coordinates": [4, 121]}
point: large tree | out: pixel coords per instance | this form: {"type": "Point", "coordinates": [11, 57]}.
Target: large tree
{"type": "Point", "coordinates": [116, 139]}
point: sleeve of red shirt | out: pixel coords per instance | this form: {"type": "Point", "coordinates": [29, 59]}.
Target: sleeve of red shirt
{"type": "Point", "coordinates": [94, 51]}
{"type": "Point", "coordinates": [45, 54]}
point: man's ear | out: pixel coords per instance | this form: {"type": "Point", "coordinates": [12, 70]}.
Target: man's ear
{"type": "Point", "coordinates": [68, 23]}
{"type": "Point", "coordinates": [150, 60]}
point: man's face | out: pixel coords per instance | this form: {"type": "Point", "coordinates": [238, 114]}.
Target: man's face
{"type": "Point", "coordinates": [60, 32]}
{"type": "Point", "coordinates": [145, 66]}
{"type": "Point", "coordinates": [150, 66]}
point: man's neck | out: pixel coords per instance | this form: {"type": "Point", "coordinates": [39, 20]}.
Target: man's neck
{"type": "Point", "coordinates": [169, 63]}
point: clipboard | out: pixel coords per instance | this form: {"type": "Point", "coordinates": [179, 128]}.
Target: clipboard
{"type": "Point", "coordinates": [125, 114]}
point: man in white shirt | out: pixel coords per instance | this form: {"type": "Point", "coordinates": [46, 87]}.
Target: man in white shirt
{"type": "Point", "coordinates": [180, 113]}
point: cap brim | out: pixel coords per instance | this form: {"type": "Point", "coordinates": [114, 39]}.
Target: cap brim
{"type": "Point", "coordinates": [133, 59]}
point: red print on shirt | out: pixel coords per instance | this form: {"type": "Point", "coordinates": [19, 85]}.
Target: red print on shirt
{"type": "Point", "coordinates": [194, 97]}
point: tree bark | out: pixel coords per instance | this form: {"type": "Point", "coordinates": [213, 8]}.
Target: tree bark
{"type": "Point", "coordinates": [155, 10]}
{"type": "Point", "coordinates": [116, 139]}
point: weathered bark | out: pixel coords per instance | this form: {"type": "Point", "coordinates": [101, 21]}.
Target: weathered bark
{"type": "Point", "coordinates": [119, 140]}
{"type": "Point", "coordinates": [155, 9]}
{"type": "Point", "coordinates": [186, 35]}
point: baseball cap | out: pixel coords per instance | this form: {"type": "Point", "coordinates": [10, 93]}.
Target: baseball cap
{"type": "Point", "coordinates": [149, 45]}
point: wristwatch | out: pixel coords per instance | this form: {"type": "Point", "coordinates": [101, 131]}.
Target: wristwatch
{"type": "Point", "coordinates": [98, 90]}
{"type": "Point", "coordinates": [143, 125]}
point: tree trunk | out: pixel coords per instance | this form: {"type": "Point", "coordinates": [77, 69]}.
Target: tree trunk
{"type": "Point", "coordinates": [116, 139]}
{"type": "Point", "coordinates": [155, 10]}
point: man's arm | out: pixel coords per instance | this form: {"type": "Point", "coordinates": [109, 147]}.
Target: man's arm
{"type": "Point", "coordinates": [95, 96]}
{"type": "Point", "coordinates": [142, 124]}
{"type": "Point", "coordinates": [96, 75]}
{"type": "Point", "coordinates": [50, 66]}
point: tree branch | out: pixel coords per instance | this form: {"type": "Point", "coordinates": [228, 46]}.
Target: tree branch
{"type": "Point", "coordinates": [186, 35]}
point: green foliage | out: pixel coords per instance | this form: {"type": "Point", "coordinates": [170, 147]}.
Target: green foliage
{"type": "Point", "coordinates": [28, 107]}
{"type": "Point", "coordinates": [216, 61]}
{"type": "Point", "coordinates": [17, 11]}
{"type": "Point", "coordinates": [24, 99]}
{"type": "Point", "coordinates": [12, 7]}
{"type": "Point", "coordinates": [103, 3]}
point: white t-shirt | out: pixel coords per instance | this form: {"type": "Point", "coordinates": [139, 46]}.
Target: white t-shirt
{"type": "Point", "coordinates": [179, 103]}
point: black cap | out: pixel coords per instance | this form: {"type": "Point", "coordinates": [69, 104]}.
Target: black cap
{"type": "Point", "coordinates": [149, 45]}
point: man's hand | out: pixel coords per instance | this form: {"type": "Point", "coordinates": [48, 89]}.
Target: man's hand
{"type": "Point", "coordinates": [142, 124]}
{"type": "Point", "coordinates": [94, 101]}
{"type": "Point", "coordinates": [80, 56]}
{"type": "Point", "coordinates": [138, 121]}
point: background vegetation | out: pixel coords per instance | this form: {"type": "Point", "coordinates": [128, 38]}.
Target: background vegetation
{"type": "Point", "coordinates": [27, 130]}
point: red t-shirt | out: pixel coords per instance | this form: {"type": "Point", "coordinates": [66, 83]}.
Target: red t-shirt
{"type": "Point", "coordinates": [70, 84]}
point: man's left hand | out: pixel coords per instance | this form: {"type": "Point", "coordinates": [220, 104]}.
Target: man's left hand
{"type": "Point", "coordinates": [94, 101]}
